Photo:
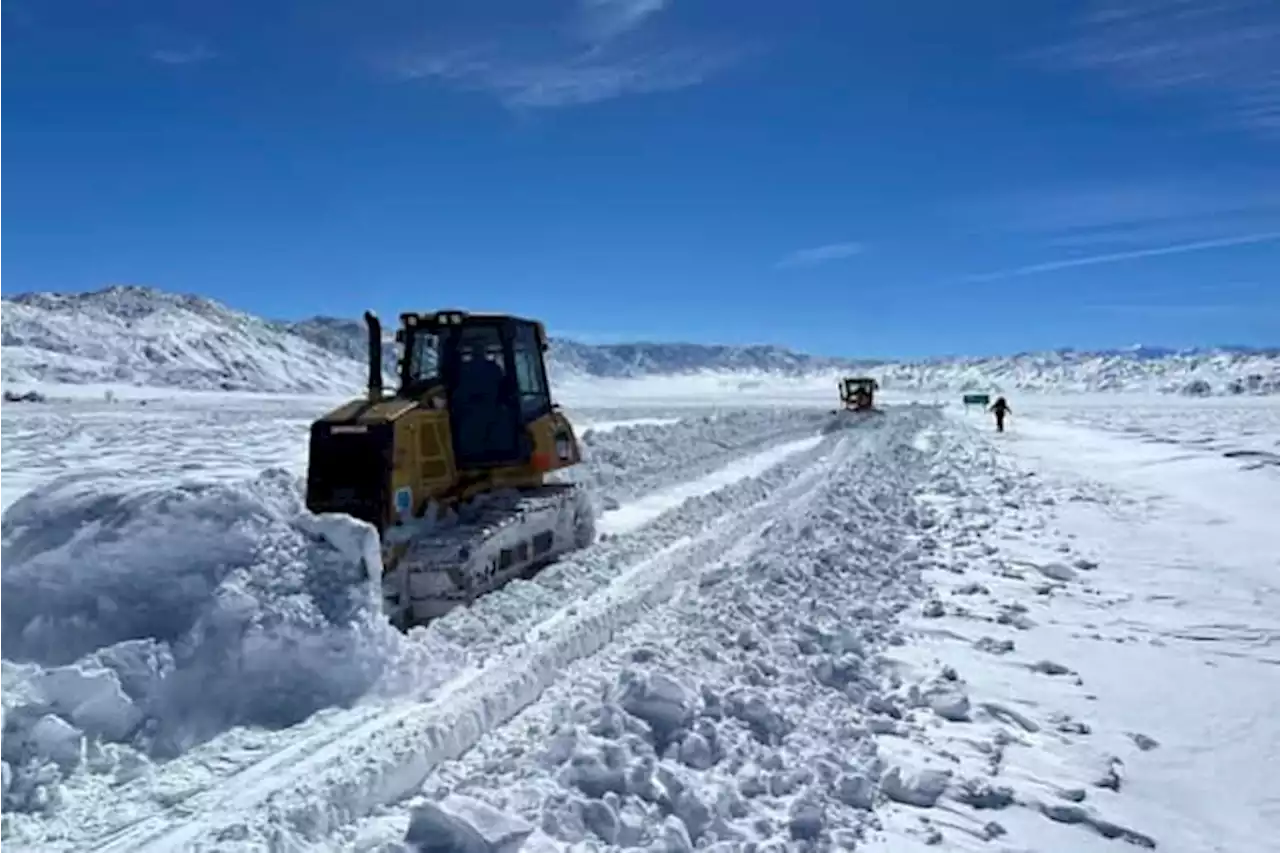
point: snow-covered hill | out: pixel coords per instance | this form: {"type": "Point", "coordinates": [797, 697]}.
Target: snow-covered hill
{"type": "Point", "coordinates": [1202, 372]}
{"type": "Point", "coordinates": [142, 336]}
{"type": "Point", "coordinates": [1198, 372]}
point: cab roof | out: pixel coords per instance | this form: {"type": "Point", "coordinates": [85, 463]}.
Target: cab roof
{"type": "Point", "coordinates": [446, 317]}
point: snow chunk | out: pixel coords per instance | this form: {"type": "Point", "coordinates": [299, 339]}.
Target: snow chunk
{"type": "Point", "coordinates": [696, 752]}
{"type": "Point", "coordinates": [92, 699]}
{"type": "Point", "coordinates": [1144, 742]}
{"type": "Point", "coordinates": [1050, 667]}
{"type": "Point", "coordinates": [462, 824]}
{"type": "Point", "coordinates": [856, 791]}
{"type": "Point", "coordinates": [659, 700]}
{"type": "Point", "coordinates": [1057, 571]}
{"type": "Point", "coordinates": [920, 788]}
{"type": "Point", "coordinates": [806, 820]}
{"type": "Point", "coordinates": [56, 740]}
{"type": "Point", "coordinates": [950, 703]}
{"type": "Point", "coordinates": [766, 723]}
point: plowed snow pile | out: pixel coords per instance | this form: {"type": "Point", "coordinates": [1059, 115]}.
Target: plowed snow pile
{"type": "Point", "coordinates": [150, 619]}
{"type": "Point", "coordinates": [632, 459]}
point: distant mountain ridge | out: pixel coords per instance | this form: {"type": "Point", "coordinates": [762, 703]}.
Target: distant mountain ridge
{"type": "Point", "coordinates": [143, 336]}
{"type": "Point", "coordinates": [1142, 351]}
{"type": "Point", "coordinates": [607, 361]}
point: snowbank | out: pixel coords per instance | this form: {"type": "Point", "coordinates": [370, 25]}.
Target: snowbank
{"type": "Point", "coordinates": [630, 460]}
{"type": "Point", "coordinates": [152, 618]}
{"type": "Point", "coordinates": [699, 389]}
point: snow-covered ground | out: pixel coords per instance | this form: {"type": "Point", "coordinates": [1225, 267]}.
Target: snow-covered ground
{"type": "Point", "coordinates": [1244, 429]}
{"type": "Point", "coordinates": [911, 632]}
{"type": "Point", "coordinates": [1113, 606]}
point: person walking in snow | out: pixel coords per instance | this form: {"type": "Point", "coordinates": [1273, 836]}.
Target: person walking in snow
{"type": "Point", "coordinates": [1000, 408]}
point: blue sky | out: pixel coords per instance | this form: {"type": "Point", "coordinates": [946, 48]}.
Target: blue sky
{"type": "Point", "coordinates": [883, 177]}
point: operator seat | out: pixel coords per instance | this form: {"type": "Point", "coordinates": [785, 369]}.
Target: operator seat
{"type": "Point", "coordinates": [485, 427]}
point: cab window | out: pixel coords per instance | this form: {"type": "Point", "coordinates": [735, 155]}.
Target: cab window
{"type": "Point", "coordinates": [530, 379]}
{"type": "Point", "coordinates": [424, 359]}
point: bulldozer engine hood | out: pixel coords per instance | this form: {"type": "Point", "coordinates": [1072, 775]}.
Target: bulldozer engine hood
{"type": "Point", "coordinates": [369, 412]}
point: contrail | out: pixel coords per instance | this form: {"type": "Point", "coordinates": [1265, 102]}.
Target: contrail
{"type": "Point", "coordinates": [1113, 257]}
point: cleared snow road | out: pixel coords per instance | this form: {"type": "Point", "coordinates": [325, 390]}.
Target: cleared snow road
{"type": "Point", "coordinates": [729, 709]}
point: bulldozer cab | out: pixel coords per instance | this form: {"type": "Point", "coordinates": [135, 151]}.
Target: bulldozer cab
{"type": "Point", "coordinates": [858, 392]}
{"type": "Point", "coordinates": [491, 373]}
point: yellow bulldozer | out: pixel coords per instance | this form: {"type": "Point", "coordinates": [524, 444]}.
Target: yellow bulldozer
{"type": "Point", "coordinates": [857, 393]}
{"type": "Point", "coordinates": [453, 466]}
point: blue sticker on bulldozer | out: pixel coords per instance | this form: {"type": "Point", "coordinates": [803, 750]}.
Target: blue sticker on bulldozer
{"type": "Point", "coordinates": [404, 500]}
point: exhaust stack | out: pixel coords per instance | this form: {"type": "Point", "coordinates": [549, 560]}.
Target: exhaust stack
{"type": "Point", "coordinates": [375, 355]}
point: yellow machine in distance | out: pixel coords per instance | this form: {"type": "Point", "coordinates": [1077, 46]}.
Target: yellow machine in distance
{"type": "Point", "coordinates": [857, 393]}
{"type": "Point", "coordinates": [452, 467]}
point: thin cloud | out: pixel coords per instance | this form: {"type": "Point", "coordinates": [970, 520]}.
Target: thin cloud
{"type": "Point", "coordinates": [1226, 52]}
{"type": "Point", "coordinates": [602, 49]}
{"type": "Point", "coordinates": [1117, 257]}
{"type": "Point", "coordinates": [168, 45]}
{"type": "Point", "coordinates": [182, 55]}
{"type": "Point", "coordinates": [819, 255]}
{"type": "Point", "coordinates": [603, 20]}
{"type": "Point", "coordinates": [1169, 310]}
{"type": "Point", "coordinates": [1105, 218]}
{"type": "Point", "coordinates": [1143, 235]}
{"type": "Point", "coordinates": [1126, 205]}
{"type": "Point", "coordinates": [563, 80]}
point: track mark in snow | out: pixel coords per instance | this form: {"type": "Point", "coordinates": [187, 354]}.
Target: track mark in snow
{"type": "Point", "coordinates": [739, 708]}
{"type": "Point", "coordinates": [640, 512]}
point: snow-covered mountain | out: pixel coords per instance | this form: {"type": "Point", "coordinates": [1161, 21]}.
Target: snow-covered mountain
{"type": "Point", "coordinates": [1197, 372]}
{"type": "Point", "coordinates": [141, 336]}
